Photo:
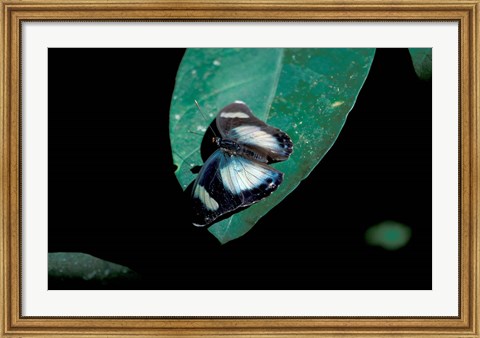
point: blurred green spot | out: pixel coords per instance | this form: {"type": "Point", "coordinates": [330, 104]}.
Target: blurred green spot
{"type": "Point", "coordinates": [389, 235]}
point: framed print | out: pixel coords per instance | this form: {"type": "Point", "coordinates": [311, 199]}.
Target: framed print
{"type": "Point", "coordinates": [249, 169]}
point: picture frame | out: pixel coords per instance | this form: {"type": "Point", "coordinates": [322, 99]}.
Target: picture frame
{"type": "Point", "coordinates": [14, 13]}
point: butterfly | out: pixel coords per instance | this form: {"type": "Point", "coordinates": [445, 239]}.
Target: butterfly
{"type": "Point", "coordinates": [237, 174]}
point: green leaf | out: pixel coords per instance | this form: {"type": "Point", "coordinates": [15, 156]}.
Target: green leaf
{"type": "Point", "coordinates": [305, 92]}
{"type": "Point", "coordinates": [68, 267]}
{"type": "Point", "coordinates": [422, 62]}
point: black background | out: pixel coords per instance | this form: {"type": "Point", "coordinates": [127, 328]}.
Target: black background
{"type": "Point", "coordinates": [113, 193]}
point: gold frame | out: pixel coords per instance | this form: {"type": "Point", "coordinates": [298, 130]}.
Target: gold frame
{"type": "Point", "coordinates": [465, 12]}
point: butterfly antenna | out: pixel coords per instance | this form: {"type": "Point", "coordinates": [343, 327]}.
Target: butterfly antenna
{"type": "Point", "coordinates": [206, 120]}
{"type": "Point", "coordinates": [194, 132]}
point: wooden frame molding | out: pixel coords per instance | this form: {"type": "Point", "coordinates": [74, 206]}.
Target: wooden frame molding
{"type": "Point", "coordinates": [13, 13]}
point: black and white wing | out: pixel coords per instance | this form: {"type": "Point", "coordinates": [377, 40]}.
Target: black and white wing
{"type": "Point", "coordinates": [227, 182]}
{"type": "Point", "coordinates": [237, 122]}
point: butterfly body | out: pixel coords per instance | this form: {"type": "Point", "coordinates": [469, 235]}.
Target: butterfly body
{"type": "Point", "coordinates": [237, 174]}
{"type": "Point", "coordinates": [234, 149]}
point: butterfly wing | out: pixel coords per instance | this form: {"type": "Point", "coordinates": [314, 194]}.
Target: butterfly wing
{"type": "Point", "coordinates": [237, 122]}
{"type": "Point", "coordinates": [227, 182]}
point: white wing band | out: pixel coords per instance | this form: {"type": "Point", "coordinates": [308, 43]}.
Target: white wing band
{"type": "Point", "coordinates": [240, 175]}
{"type": "Point", "coordinates": [202, 194]}
{"type": "Point", "coordinates": [239, 115]}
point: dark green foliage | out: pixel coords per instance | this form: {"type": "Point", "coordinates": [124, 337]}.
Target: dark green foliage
{"type": "Point", "coordinates": [422, 62]}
